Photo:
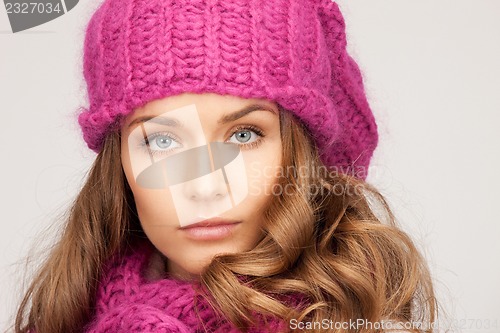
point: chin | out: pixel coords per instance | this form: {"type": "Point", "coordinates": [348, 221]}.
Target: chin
{"type": "Point", "coordinates": [194, 268]}
{"type": "Point", "coordinates": [199, 265]}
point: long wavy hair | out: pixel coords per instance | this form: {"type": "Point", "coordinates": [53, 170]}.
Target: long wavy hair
{"type": "Point", "coordinates": [329, 237]}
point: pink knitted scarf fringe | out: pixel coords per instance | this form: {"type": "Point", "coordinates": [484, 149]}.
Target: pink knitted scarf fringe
{"type": "Point", "coordinates": [128, 302]}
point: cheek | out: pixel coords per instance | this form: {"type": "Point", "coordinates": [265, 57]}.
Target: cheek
{"type": "Point", "coordinates": [155, 207]}
{"type": "Point", "coordinates": [263, 169]}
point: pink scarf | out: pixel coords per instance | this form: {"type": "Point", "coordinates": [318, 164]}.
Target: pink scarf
{"type": "Point", "coordinates": [128, 302]}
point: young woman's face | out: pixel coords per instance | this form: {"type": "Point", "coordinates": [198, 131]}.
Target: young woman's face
{"type": "Point", "coordinates": [202, 168]}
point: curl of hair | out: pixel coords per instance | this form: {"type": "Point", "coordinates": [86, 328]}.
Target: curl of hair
{"type": "Point", "coordinates": [324, 244]}
{"type": "Point", "coordinates": [61, 295]}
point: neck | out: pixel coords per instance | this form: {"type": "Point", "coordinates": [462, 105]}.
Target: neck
{"type": "Point", "coordinates": [175, 271]}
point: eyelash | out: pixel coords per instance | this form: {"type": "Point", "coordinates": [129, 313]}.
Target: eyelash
{"type": "Point", "coordinates": [144, 143]}
{"type": "Point", "coordinates": [251, 128]}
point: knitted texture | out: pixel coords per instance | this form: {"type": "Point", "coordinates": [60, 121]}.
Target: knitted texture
{"type": "Point", "coordinates": [128, 302]}
{"type": "Point", "coordinates": [292, 52]}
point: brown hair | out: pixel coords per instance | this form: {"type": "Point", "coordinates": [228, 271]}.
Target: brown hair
{"type": "Point", "coordinates": [333, 239]}
{"type": "Point", "coordinates": [324, 240]}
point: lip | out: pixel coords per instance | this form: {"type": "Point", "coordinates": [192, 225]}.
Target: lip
{"type": "Point", "coordinates": [210, 229]}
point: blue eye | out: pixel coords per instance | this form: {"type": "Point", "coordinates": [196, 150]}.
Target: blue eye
{"type": "Point", "coordinates": [243, 136]}
{"type": "Point", "coordinates": [159, 142]}
{"type": "Point", "coordinates": [247, 137]}
{"type": "Point", "coordinates": [163, 142]}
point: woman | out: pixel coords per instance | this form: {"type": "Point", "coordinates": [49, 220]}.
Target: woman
{"type": "Point", "coordinates": [228, 192]}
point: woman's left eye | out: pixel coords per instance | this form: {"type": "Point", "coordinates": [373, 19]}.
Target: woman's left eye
{"type": "Point", "coordinates": [244, 136]}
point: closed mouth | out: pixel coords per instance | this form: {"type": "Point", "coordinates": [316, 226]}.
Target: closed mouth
{"type": "Point", "coordinates": [212, 222]}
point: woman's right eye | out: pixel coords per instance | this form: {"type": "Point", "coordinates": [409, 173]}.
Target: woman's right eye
{"type": "Point", "coordinates": [161, 143]}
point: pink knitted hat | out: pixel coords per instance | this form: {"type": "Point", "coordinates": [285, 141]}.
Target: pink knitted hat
{"type": "Point", "coordinates": [292, 52]}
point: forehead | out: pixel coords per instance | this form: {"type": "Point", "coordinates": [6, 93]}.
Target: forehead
{"type": "Point", "coordinates": [204, 102]}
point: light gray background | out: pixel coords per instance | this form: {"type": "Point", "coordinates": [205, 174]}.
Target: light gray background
{"type": "Point", "coordinates": [432, 75]}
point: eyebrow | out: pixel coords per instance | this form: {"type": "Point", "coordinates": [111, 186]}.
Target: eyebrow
{"type": "Point", "coordinates": [225, 119]}
{"type": "Point", "coordinates": [158, 120]}
{"type": "Point", "coordinates": [243, 112]}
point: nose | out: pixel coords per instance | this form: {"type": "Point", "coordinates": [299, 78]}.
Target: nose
{"type": "Point", "coordinates": [209, 187]}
